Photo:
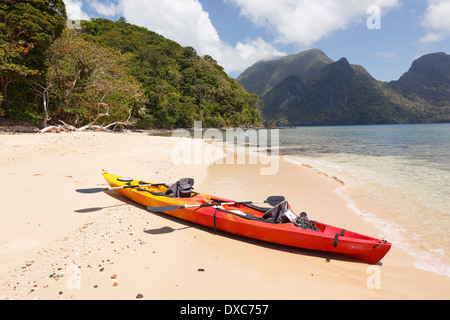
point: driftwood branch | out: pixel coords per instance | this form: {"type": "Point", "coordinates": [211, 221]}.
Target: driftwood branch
{"type": "Point", "coordinates": [98, 116]}
{"type": "Point", "coordinates": [91, 126]}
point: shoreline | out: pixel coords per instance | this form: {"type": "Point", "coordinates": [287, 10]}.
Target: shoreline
{"type": "Point", "coordinates": [363, 196]}
{"type": "Point", "coordinates": [102, 247]}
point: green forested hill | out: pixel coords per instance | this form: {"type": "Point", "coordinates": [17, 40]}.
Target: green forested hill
{"type": "Point", "coordinates": [310, 89]}
{"type": "Point", "coordinates": [180, 86]}
{"type": "Point", "coordinates": [428, 78]}
{"type": "Point", "coordinates": [265, 75]}
{"type": "Point", "coordinates": [113, 71]}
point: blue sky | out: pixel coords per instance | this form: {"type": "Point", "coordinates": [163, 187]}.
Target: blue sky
{"type": "Point", "coordinates": [384, 36]}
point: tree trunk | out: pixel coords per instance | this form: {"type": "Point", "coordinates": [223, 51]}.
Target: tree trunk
{"type": "Point", "coordinates": [41, 91]}
{"type": "Point", "coordinates": [44, 97]}
{"type": "Point", "coordinates": [45, 103]}
{"type": "Point", "coordinates": [4, 91]}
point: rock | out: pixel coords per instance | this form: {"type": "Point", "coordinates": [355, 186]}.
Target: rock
{"type": "Point", "coordinates": [139, 296]}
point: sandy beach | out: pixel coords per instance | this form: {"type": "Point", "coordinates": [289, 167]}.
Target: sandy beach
{"type": "Point", "coordinates": [56, 243]}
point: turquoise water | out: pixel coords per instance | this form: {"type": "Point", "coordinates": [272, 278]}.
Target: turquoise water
{"type": "Point", "coordinates": [395, 176]}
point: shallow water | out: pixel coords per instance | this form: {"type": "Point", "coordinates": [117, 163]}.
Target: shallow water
{"type": "Point", "coordinates": [395, 176]}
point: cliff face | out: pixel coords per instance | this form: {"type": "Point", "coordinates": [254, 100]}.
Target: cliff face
{"type": "Point", "coordinates": [310, 89]}
{"type": "Point", "coordinates": [265, 75]}
{"type": "Point", "coordinates": [428, 78]}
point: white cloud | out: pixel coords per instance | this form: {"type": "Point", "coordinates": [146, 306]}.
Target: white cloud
{"type": "Point", "coordinates": [181, 20]}
{"type": "Point", "coordinates": [432, 37]}
{"type": "Point", "coordinates": [108, 10]}
{"type": "Point", "coordinates": [242, 56]}
{"type": "Point", "coordinates": [185, 22]}
{"type": "Point", "coordinates": [305, 22]}
{"type": "Point", "coordinates": [436, 20]}
{"type": "Point", "coordinates": [75, 11]}
{"type": "Point", "coordinates": [387, 54]}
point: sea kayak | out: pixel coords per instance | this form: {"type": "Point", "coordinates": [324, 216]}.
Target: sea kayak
{"type": "Point", "coordinates": [276, 224]}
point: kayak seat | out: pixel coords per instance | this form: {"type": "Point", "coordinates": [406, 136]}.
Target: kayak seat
{"type": "Point", "coordinates": [282, 214]}
{"type": "Point", "coordinates": [276, 214]}
{"type": "Point", "coordinates": [181, 189]}
{"type": "Point", "coordinates": [257, 208]}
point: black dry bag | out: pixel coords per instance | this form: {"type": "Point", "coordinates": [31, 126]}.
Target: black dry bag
{"type": "Point", "coordinates": [181, 189]}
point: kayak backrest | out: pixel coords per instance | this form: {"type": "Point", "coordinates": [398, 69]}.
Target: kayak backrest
{"type": "Point", "coordinates": [181, 189]}
{"type": "Point", "coordinates": [276, 214]}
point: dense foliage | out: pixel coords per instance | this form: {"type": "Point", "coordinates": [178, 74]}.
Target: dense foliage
{"type": "Point", "coordinates": [89, 82]}
{"type": "Point", "coordinates": [181, 87]}
{"type": "Point", "coordinates": [110, 72]}
{"type": "Point", "coordinates": [27, 29]}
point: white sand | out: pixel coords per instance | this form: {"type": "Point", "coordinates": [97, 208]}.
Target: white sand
{"type": "Point", "coordinates": [56, 243]}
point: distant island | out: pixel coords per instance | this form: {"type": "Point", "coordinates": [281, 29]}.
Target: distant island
{"type": "Point", "coordinates": [309, 89]}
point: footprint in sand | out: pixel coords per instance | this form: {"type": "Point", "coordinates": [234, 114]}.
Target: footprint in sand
{"type": "Point", "coordinates": [71, 177]}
